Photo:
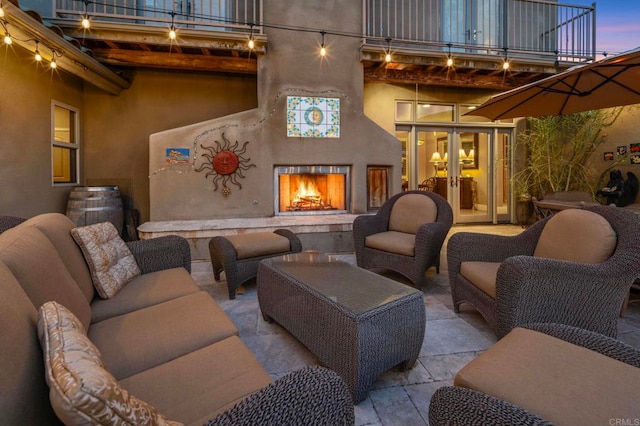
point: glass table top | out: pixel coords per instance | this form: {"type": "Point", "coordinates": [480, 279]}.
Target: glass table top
{"type": "Point", "coordinates": [355, 288]}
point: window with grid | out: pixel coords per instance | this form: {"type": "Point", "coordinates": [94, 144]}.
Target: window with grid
{"type": "Point", "coordinates": [65, 144]}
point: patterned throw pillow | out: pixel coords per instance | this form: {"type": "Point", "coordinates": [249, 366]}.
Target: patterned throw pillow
{"type": "Point", "coordinates": [110, 261]}
{"type": "Point", "coordinates": [81, 390]}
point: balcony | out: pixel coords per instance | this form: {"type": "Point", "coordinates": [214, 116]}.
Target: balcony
{"type": "Point", "coordinates": [537, 37]}
{"type": "Point", "coordinates": [212, 35]}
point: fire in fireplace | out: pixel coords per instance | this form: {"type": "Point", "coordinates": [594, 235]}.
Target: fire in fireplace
{"type": "Point", "coordinates": [311, 189]}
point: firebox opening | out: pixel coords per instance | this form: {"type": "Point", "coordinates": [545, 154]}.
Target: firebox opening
{"type": "Point", "coordinates": [311, 191]}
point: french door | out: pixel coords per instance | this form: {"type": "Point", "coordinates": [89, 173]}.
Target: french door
{"type": "Point", "coordinates": [459, 164]}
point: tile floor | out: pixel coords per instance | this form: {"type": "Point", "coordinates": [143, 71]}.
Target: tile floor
{"type": "Point", "coordinates": [397, 398]}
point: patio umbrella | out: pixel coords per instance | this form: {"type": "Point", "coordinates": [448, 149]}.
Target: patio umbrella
{"type": "Point", "coordinates": [609, 82]}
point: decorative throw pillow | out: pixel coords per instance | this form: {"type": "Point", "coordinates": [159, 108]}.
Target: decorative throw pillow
{"type": "Point", "coordinates": [81, 391]}
{"type": "Point", "coordinates": [110, 261]}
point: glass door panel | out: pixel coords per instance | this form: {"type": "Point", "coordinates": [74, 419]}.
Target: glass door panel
{"type": "Point", "coordinates": [432, 160]}
{"type": "Point", "coordinates": [403, 134]}
{"type": "Point", "coordinates": [474, 178]}
{"type": "Point", "coordinates": [503, 175]}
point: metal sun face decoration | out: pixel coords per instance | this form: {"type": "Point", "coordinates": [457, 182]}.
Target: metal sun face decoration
{"type": "Point", "coordinates": [225, 162]}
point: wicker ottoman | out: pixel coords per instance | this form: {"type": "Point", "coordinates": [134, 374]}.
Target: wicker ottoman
{"type": "Point", "coordinates": [358, 323]}
{"type": "Point", "coordinates": [239, 255]}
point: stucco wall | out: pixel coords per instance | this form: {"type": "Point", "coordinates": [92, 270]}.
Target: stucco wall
{"type": "Point", "coordinates": [117, 128]}
{"type": "Point", "coordinates": [624, 132]}
{"type": "Point", "coordinates": [26, 92]}
{"type": "Point", "coordinates": [291, 66]}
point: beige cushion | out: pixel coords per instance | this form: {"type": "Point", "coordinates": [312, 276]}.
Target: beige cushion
{"type": "Point", "coordinates": [577, 235]}
{"type": "Point", "coordinates": [148, 337]}
{"type": "Point", "coordinates": [482, 274]}
{"type": "Point", "coordinates": [558, 381]}
{"type": "Point", "coordinates": [31, 258]}
{"type": "Point", "coordinates": [81, 390]}
{"type": "Point", "coordinates": [410, 211]}
{"type": "Point", "coordinates": [208, 381]}
{"type": "Point", "coordinates": [57, 227]}
{"type": "Point", "coordinates": [110, 261]}
{"type": "Point", "coordinates": [258, 244]}
{"type": "Point", "coordinates": [393, 242]}
{"type": "Point", "coordinates": [143, 291]}
{"type": "Point", "coordinates": [24, 398]}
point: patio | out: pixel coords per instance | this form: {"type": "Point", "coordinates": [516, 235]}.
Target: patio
{"type": "Point", "coordinates": [451, 341]}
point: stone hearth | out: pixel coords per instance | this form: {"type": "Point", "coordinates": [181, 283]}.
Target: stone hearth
{"type": "Point", "coordinates": [326, 233]}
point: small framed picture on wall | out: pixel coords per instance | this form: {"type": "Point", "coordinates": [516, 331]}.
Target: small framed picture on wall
{"type": "Point", "coordinates": [634, 148]}
{"type": "Point", "coordinates": [621, 150]}
{"type": "Point", "coordinates": [635, 159]}
{"type": "Point", "coordinates": [608, 156]}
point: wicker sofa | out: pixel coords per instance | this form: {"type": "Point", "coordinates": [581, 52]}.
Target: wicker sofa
{"type": "Point", "coordinates": [160, 338]}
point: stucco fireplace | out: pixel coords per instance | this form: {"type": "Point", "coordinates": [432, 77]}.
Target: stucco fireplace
{"type": "Point", "coordinates": [314, 190]}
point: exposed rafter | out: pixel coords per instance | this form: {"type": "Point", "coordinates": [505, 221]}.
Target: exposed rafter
{"type": "Point", "coordinates": [26, 27]}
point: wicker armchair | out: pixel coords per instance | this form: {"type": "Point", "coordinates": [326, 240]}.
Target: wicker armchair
{"type": "Point", "coordinates": [575, 267]}
{"type": "Point", "coordinates": [481, 395]}
{"type": "Point", "coordinates": [405, 235]}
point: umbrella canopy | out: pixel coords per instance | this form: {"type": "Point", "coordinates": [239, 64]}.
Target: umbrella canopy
{"type": "Point", "coordinates": [610, 82]}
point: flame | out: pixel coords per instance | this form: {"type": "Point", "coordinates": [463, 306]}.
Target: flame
{"type": "Point", "coordinates": [306, 190]}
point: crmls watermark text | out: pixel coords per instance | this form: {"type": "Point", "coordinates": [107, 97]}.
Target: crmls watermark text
{"type": "Point", "coordinates": [624, 422]}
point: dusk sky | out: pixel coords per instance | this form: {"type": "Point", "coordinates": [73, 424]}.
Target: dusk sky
{"type": "Point", "coordinates": [617, 24]}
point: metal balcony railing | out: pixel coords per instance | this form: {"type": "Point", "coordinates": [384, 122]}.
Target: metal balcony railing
{"type": "Point", "coordinates": [215, 15]}
{"type": "Point", "coordinates": [519, 28]}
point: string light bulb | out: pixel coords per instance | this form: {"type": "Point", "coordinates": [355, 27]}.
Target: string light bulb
{"type": "Point", "coordinates": [1, 10]}
{"type": "Point", "coordinates": [251, 43]}
{"type": "Point", "coordinates": [7, 38]}
{"type": "Point", "coordinates": [505, 64]}
{"type": "Point", "coordinates": [387, 56]}
{"type": "Point", "coordinates": [449, 57]}
{"type": "Point", "coordinates": [37, 55]}
{"type": "Point", "coordinates": [172, 29]}
{"type": "Point", "coordinates": [323, 49]}
{"type": "Point", "coordinates": [85, 22]}
{"type": "Point", "coordinates": [53, 63]}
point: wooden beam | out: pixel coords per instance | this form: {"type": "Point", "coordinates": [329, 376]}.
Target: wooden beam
{"type": "Point", "coordinates": [450, 79]}
{"type": "Point", "coordinates": [174, 60]}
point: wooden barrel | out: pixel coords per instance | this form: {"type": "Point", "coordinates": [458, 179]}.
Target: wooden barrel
{"type": "Point", "coordinates": [94, 204]}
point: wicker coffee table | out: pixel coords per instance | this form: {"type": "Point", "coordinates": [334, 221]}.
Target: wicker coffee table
{"type": "Point", "coordinates": [358, 323]}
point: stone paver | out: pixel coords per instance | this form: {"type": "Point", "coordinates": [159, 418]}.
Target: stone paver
{"type": "Point", "coordinates": [396, 398]}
